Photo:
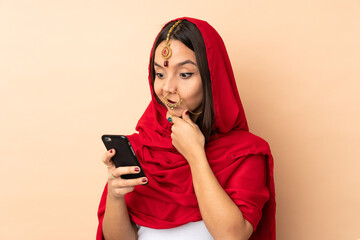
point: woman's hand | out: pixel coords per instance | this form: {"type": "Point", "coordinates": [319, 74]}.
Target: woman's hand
{"type": "Point", "coordinates": [117, 186]}
{"type": "Point", "coordinates": [186, 136]}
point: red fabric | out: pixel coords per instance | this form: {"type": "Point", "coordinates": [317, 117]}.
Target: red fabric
{"type": "Point", "coordinates": [241, 161]}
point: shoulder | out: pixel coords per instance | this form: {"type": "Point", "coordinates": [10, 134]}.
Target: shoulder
{"type": "Point", "coordinates": [239, 140]}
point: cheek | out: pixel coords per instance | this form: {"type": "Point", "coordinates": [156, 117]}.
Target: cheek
{"type": "Point", "coordinates": [196, 95]}
{"type": "Point", "coordinates": [157, 88]}
{"type": "Point", "coordinates": [198, 89]}
{"type": "Point", "coordinates": [199, 96]}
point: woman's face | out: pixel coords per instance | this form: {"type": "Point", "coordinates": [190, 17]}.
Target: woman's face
{"type": "Point", "coordinates": [181, 75]}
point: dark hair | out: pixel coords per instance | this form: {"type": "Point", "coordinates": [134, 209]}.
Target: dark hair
{"type": "Point", "coordinates": [189, 35]}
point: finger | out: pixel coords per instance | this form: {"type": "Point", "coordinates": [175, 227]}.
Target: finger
{"type": "Point", "coordinates": [107, 158]}
{"type": "Point", "coordinates": [121, 183]}
{"type": "Point", "coordinates": [117, 172]}
{"type": "Point", "coordinates": [169, 117]}
{"type": "Point", "coordinates": [186, 117]}
{"type": "Point", "coordinates": [175, 119]}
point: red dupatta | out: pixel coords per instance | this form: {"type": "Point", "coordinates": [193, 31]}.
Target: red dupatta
{"type": "Point", "coordinates": [169, 200]}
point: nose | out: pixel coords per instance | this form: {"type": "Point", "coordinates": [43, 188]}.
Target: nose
{"type": "Point", "coordinates": [169, 84]}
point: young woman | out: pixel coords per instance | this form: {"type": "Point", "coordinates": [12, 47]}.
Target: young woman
{"type": "Point", "coordinates": [208, 176]}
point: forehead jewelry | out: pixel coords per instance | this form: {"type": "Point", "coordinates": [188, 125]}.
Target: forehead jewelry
{"type": "Point", "coordinates": [174, 105]}
{"type": "Point", "coordinates": [166, 52]}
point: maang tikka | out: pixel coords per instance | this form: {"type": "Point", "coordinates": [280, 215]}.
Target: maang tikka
{"type": "Point", "coordinates": [166, 52]}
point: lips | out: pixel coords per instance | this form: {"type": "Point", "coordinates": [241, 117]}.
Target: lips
{"type": "Point", "coordinates": [170, 101]}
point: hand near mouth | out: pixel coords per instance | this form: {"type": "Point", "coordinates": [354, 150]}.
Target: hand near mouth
{"type": "Point", "coordinates": [186, 136]}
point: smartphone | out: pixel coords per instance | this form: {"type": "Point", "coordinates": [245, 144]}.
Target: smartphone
{"type": "Point", "coordinates": [125, 155]}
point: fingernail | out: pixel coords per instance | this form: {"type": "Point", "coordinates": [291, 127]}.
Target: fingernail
{"type": "Point", "coordinates": [187, 112]}
{"type": "Point", "coordinates": [144, 180]}
{"type": "Point", "coordinates": [136, 169]}
{"type": "Point", "coordinates": [111, 151]}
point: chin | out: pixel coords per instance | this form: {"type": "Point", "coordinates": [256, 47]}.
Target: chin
{"type": "Point", "coordinates": [176, 112]}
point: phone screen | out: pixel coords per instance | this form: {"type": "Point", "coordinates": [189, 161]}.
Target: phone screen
{"type": "Point", "coordinates": [125, 155]}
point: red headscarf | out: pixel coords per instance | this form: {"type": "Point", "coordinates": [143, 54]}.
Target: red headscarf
{"type": "Point", "coordinates": [233, 152]}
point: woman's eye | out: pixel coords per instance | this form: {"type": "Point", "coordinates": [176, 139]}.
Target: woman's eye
{"type": "Point", "coordinates": [159, 75]}
{"type": "Point", "coordinates": [186, 75]}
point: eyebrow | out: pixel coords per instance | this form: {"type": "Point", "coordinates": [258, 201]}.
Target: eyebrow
{"type": "Point", "coordinates": [179, 64]}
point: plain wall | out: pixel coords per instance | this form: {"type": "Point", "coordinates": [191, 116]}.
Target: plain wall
{"type": "Point", "coordinates": [71, 71]}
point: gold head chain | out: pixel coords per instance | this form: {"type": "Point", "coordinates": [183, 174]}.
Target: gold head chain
{"type": "Point", "coordinates": [166, 52]}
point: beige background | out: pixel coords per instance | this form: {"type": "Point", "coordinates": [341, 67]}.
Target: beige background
{"type": "Point", "coordinates": [71, 71]}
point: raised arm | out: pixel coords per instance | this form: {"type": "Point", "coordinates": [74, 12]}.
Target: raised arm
{"type": "Point", "coordinates": [221, 215]}
{"type": "Point", "coordinates": [116, 222]}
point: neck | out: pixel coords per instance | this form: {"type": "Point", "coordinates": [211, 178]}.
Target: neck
{"type": "Point", "coordinates": [194, 117]}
